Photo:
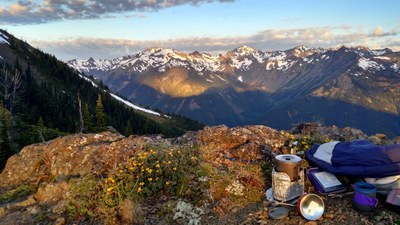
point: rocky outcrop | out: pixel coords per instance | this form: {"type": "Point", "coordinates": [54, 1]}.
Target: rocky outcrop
{"type": "Point", "coordinates": [332, 132]}
{"type": "Point", "coordinates": [248, 143]}
{"type": "Point", "coordinates": [71, 156]}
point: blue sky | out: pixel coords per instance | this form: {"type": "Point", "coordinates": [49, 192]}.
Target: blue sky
{"type": "Point", "coordinates": [113, 28]}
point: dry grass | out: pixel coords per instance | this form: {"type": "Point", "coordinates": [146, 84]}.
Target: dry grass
{"type": "Point", "coordinates": [130, 212]}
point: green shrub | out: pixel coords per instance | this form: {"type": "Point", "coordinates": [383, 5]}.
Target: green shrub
{"type": "Point", "coordinates": [17, 193]}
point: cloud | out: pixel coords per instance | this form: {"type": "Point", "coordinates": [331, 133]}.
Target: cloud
{"type": "Point", "coordinates": [378, 31]}
{"type": "Point", "coordinates": [43, 11]}
{"type": "Point", "coordinates": [270, 39]}
{"type": "Point", "coordinates": [137, 16]}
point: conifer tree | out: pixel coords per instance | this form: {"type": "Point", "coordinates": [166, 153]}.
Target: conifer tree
{"type": "Point", "coordinates": [5, 140]}
{"type": "Point", "coordinates": [129, 129]}
{"type": "Point", "coordinates": [81, 122]}
{"type": "Point", "coordinates": [100, 117]}
{"type": "Point", "coordinates": [87, 120]}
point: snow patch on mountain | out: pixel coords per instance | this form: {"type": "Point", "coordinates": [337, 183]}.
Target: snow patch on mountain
{"type": "Point", "coordinates": [367, 64]}
{"type": "Point", "coordinates": [130, 104]}
{"type": "Point", "coordinates": [87, 79]}
{"type": "Point", "coordinates": [285, 65]}
{"type": "Point", "coordinates": [240, 78]}
{"type": "Point", "coordinates": [241, 64]}
{"type": "Point", "coordinates": [378, 52]}
{"type": "Point", "coordinates": [307, 60]}
{"type": "Point", "coordinates": [382, 57]}
{"type": "Point", "coordinates": [395, 67]}
{"type": "Point", "coordinates": [325, 57]}
{"type": "Point", "coordinates": [279, 61]}
{"type": "Point", "coordinates": [222, 78]}
{"type": "Point", "coordinates": [3, 39]}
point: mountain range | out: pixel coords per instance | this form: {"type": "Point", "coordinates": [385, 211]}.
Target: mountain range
{"type": "Point", "coordinates": [344, 86]}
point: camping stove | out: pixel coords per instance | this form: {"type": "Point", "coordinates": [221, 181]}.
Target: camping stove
{"type": "Point", "coordinates": [287, 179]}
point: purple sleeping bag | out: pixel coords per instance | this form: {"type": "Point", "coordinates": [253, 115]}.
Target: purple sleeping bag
{"type": "Point", "coordinates": [359, 158]}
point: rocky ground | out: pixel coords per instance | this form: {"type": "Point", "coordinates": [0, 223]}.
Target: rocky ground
{"type": "Point", "coordinates": [37, 184]}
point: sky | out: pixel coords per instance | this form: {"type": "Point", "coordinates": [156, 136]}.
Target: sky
{"type": "Point", "coordinates": [81, 29]}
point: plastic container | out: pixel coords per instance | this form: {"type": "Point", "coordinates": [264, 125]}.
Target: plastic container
{"type": "Point", "coordinates": [364, 197]}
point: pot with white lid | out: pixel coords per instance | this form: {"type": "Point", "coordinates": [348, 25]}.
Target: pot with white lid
{"type": "Point", "coordinates": [289, 164]}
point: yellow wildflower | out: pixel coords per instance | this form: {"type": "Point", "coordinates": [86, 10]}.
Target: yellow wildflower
{"type": "Point", "coordinates": [109, 190]}
{"type": "Point", "coordinates": [157, 165]}
{"type": "Point", "coordinates": [149, 170]}
{"type": "Point", "coordinates": [174, 168]}
{"type": "Point", "coordinates": [167, 183]}
{"type": "Point", "coordinates": [139, 189]}
{"type": "Point", "coordinates": [141, 183]}
{"type": "Point", "coordinates": [150, 179]}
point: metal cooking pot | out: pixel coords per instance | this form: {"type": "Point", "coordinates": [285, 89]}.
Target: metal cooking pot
{"type": "Point", "coordinates": [289, 164]}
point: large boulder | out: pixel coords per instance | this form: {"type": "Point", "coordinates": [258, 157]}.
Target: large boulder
{"type": "Point", "coordinates": [247, 143]}
{"type": "Point", "coordinates": [75, 155]}
{"type": "Point", "coordinates": [332, 132]}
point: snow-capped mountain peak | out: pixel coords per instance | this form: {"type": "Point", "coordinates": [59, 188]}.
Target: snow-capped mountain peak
{"type": "Point", "coordinates": [244, 49]}
{"type": "Point", "coordinates": [240, 59]}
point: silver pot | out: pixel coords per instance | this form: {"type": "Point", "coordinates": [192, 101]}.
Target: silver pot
{"type": "Point", "coordinates": [289, 164]}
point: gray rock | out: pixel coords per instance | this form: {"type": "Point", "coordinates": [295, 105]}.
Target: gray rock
{"type": "Point", "coordinates": [278, 213]}
{"type": "Point", "coordinates": [33, 210]}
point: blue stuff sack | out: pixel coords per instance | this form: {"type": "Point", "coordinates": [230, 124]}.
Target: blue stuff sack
{"type": "Point", "coordinates": [364, 197]}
